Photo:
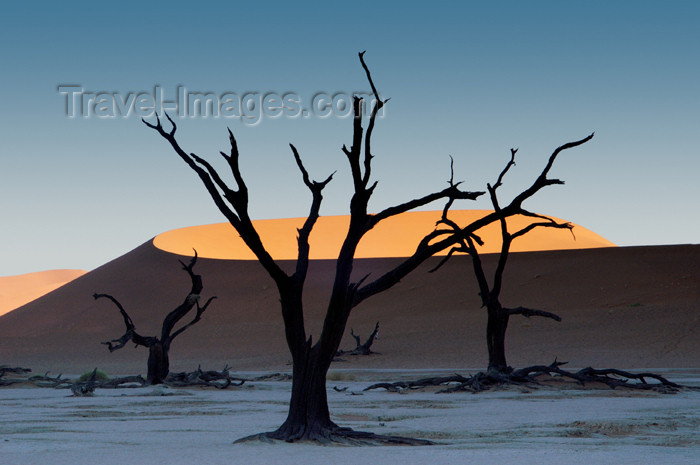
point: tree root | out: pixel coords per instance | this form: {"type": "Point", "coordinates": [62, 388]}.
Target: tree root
{"type": "Point", "coordinates": [333, 436]}
{"type": "Point", "coordinates": [531, 377]}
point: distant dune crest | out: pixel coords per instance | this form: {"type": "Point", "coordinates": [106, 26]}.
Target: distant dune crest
{"type": "Point", "coordinates": [16, 291]}
{"type": "Point", "coordinates": [395, 237]}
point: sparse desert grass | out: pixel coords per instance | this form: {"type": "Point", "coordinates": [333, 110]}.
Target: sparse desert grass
{"type": "Point", "coordinates": [99, 375]}
{"type": "Point", "coordinates": [340, 376]}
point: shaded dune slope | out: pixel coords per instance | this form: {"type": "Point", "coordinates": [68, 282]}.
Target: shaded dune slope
{"type": "Point", "coordinates": [628, 307]}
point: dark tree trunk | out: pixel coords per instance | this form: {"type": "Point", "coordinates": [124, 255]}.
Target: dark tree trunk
{"type": "Point", "coordinates": [158, 363]}
{"type": "Point", "coordinates": [496, 339]}
{"type": "Point", "coordinates": [308, 417]}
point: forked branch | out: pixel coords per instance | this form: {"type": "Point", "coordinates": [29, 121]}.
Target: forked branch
{"type": "Point", "coordinates": [233, 203]}
{"type": "Point", "coordinates": [130, 334]}
{"type": "Point", "coordinates": [191, 300]}
{"type": "Point", "coordinates": [316, 189]}
{"type": "Point", "coordinates": [197, 317]}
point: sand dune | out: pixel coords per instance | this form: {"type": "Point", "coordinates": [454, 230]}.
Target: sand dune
{"type": "Point", "coordinates": [629, 307]}
{"type": "Point", "coordinates": [394, 237]}
{"type": "Point", "coordinates": [16, 291]}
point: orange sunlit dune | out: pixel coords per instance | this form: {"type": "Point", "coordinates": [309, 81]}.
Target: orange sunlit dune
{"type": "Point", "coordinates": [394, 237]}
{"type": "Point", "coordinates": [16, 291]}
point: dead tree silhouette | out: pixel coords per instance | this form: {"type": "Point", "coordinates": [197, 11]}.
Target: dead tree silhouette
{"type": "Point", "coordinates": [158, 347]}
{"type": "Point", "coordinates": [308, 417]}
{"type": "Point", "coordinates": [360, 348]}
{"type": "Point", "coordinates": [498, 315]}
{"type": "Point", "coordinates": [499, 373]}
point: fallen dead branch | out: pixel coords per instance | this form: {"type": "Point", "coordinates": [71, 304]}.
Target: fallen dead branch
{"type": "Point", "coordinates": [46, 381]}
{"type": "Point", "coordinates": [218, 379]}
{"type": "Point", "coordinates": [273, 377]}
{"type": "Point", "coordinates": [532, 376]}
{"type": "Point", "coordinates": [210, 378]}
{"type": "Point", "coordinates": [4, 369]}
{"type": "Point", "coordinates": [123, 382]}
{"type": "Point", "coordinates": [59, 382]}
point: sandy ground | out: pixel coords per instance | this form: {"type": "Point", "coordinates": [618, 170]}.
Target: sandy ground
{"type": "Point", "coordinates": [184, 426]}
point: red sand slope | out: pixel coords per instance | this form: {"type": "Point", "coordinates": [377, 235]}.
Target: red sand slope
{"type": "Point", "coordinates": [627, 307]}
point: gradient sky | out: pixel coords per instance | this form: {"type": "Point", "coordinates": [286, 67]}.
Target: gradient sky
{"type": "Point", "coordinates": [467, 79]}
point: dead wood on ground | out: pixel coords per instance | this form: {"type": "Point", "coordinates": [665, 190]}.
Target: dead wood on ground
{"type": "Point", "coordinates": [534, 377]}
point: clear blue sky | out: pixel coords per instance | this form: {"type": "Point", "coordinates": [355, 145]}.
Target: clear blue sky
{"type": "Point", "coordinates": [467, 79]}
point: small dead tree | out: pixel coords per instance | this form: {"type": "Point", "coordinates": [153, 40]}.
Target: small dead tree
{"type": "Point", "coordinates": [308, 417]}
{"type": "Point", "coordinates": [498, 315]}
{"type": "Point", "coordinates": [158, 347]}
{"type": "Point", "coordinates": [360, 348]}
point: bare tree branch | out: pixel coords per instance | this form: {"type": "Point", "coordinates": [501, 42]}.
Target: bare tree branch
{"type": "Point", "coordinates": [532, 226]}
{"type": "Point", "coordinates": [130, 334]}
{"type": "Point", "coordinates": [316, 189]}
{"type": "Point", "coordinates": [379, 103]}
{"type": "Point", "coordinates": [197, 317]}
{"type": "Point", "coordinates": [542, 180]}
{"type": "Point", "coordinates": [188, 304]}
{"type": "Point", "coordinates": [499, 181]}
{"type": "Point", "coordinates": [528, 312]}
{"type": "Point", "coordinates": [234, 204]}
{"type": "Point", "coordinates": [446, 258]}
{"type": "Point", "coordinates": [191, 162]}
{"type": "Point", "coordinates": [450, 193]}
